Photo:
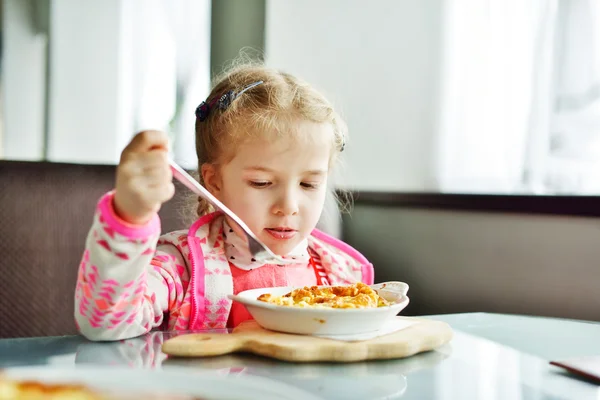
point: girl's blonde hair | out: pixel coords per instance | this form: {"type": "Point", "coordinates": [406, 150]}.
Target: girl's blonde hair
{"type": "Point", "coordinates": [264, 109]}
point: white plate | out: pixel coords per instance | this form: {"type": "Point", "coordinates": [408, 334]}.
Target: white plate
{"type": "Point", "coordinates": [174, 381]}
{"type": "Point", "coordinates": [323, 321]}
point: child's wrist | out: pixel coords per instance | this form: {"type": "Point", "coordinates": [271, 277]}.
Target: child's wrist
{"type": "Point", "coordinates": [126, 217]}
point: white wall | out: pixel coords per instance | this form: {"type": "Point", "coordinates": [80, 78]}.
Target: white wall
{"type": "Point", "coordinates": [113, 68]}
{"type": "Point", "coordinates": [379, 62]}
{"type": "Point", "coordinates": [348, 48]}
{"type": "Point", "coordinates": [90, 91]}
{"type": "Point", "coordinates": [23, 82]}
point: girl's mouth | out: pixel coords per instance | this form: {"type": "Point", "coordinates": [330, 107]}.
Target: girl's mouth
{"type": "Point", "coordinates": [281, 233]}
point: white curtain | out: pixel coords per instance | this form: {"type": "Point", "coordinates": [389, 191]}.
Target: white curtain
{"type": "Point", "coordinates": [513, 74]}
{"type": "Point", "coordinates": [574, 162]}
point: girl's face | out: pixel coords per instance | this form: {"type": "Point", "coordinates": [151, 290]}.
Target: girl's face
{"type": "Point", "coordinates": [277, 187]}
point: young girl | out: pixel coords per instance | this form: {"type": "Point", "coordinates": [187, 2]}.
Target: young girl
{"type": "Point", "coordinates": [265, 142]}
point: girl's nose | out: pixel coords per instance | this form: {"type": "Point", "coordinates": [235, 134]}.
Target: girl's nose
{"type": "Point", "coordinates": [287, 204]}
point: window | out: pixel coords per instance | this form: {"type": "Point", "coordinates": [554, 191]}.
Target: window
{"type": "Point", "coordinates": [520, 104]}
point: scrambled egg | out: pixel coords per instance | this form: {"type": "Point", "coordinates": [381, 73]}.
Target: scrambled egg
{"type": "Point", "coordinates": [357, 295]}
{"type": "Point", "coordinates": [14, 390]}
{"type": "Point", "coordinates": [32, 390]}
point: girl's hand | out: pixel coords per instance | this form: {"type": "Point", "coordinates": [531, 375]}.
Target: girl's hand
{"type": "Point", "coordinates": [144, 178]}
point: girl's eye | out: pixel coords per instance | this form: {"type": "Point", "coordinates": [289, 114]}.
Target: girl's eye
{"type": "Point", "coordinates": [307, 185]}
{"type": "Point", "coordinates": [260, 184]}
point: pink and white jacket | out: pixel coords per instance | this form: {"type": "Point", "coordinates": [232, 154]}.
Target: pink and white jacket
{"type": "Point", "coordinates": [131, 280]}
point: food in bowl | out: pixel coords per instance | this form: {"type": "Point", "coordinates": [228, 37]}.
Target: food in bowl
{"type": "Point", "coordinates": [357, 295]}
{"type": "Point", "coordinates": [320, 319]}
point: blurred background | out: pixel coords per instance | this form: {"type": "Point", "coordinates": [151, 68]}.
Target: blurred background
{"type": "Point", "coordinates": [474, 129]}
{"type": "Point", "coordinates": [453, 96]}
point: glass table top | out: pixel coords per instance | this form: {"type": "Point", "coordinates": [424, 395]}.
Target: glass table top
{"type": "Point", "coordinates": [492, 356]}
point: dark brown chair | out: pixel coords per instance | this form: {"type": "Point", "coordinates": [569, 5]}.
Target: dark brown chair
{"type": "Point", "coordinates": [45, 212]}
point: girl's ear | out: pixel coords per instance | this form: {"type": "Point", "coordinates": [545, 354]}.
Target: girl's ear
{"type": "Point", "coordinates": [212, 178]}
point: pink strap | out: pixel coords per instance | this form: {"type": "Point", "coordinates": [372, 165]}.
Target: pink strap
{"type": "Point", "coordinates": [197, 282]}
{"type": "Point", "coordinates": [320, 272]}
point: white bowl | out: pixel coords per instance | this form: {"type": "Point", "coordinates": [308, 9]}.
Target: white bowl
{"type": "Point", "coordinates": [323, 321]}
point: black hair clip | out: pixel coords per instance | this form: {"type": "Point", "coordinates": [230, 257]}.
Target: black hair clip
{"type": "Point", "coordinates": [223, 102]}
{"type": "Point", "coordinates": [202, 111]}
{"type": "Point", "coordinates": [226, 99]}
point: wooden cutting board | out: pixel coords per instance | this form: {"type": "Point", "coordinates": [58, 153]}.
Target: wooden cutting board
{"type": "Point", "coordinates": [249, 337]}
